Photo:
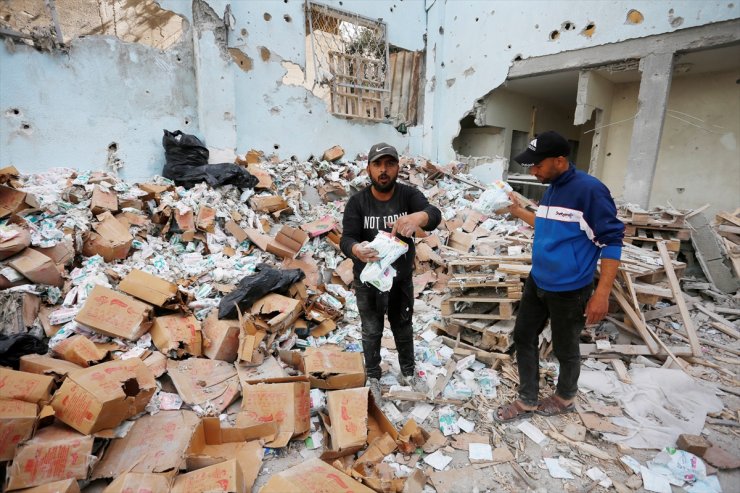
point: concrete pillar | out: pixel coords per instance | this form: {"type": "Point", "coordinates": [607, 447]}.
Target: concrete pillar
{"type": "Point", "coordinates": [594, 100]}
{"type": "Point", "coordinates": [652, 100]}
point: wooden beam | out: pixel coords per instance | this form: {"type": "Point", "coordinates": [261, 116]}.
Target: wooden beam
{"type": "Point", "coordinates": [621, 370]}
{"type": "Point", "coordinates": [441, 383]}
{"type": "Point", "coordinates": [714, 316]}
{"type": "Point", "coordinates": [678, 297]}
{"type": "Point", "coordinates": [589, 350]}
{"type": "Point", "coordinates": [636, 321]}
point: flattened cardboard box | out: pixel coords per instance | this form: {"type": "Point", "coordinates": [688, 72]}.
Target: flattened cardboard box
{"type": "Point", "coordinates": [332, 368]}
{"type": "Point", "coordinates": [65, 486]}
{"type": "Point", "coordinates": [148, 287]}
{"type": "Point", "coordinates": [251, 348]}
{"type": "Point", "coordinates": [224, 477]}
{"type": "Point", "coordinates": [275, 312]}
{"type": "Point", "coordinates": [17, 243]}
{"type": "Point", "coordinates": [25, 386]}
{"type": "Point", "coordinates": [115, 314]}
{"type": "Point", "coordinates": [11, 200]}
{"type": "Point", "coordinates": [101, 397]}
{"type": "Point", "coordinates": [154, 444]}
{"type": "Point", "coordinates": [268, 203]}
{"type": "Point", "coordinates": [220, 338]}
{"type": "Point", "coordinates": [46, 365]}
{"type": "Point", "coordinates": [269, 371]}
{"type": "Point", "coordinates": [288, 404]}
{"type": "Point", "coordinates": [177, 334]}
{"type": "Point", "coordinates": [17, 420]}
{"type": "Point", "coordinates": [37, 267]}
{"type": "Point", "coordinates": [200, 381]}
{"type": "Point", "coordinates": [54, 454]}
{"type": "Point", "coordinates": [103, 200]}
{"type": "Point", "coordinates": [313, 476]}
{"type": "Point", "coordinates": [136, 482]}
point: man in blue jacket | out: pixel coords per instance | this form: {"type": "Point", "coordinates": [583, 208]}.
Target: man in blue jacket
{"type": "Point", "coordinates": [575, 225]}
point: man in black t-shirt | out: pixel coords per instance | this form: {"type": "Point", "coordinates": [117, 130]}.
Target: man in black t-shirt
{"type": "Point", "coordinates": [399, 209]}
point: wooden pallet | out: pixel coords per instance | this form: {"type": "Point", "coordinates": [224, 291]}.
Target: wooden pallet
{"type": "Point", "coordinates": [482, 305]}
{"type": "Point", "coordinates": [668, 233]}
{"type": "Point", "coordinates": [648, 239]}
{"type": "Point", "coordinates": [660, 217]}
{"type": "Point", "coordinates": [498, 336]}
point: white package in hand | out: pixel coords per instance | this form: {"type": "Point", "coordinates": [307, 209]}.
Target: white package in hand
{"type": "Point", "coordinates": [380, 273]}
{"type": "Point", "coordinates": [493, 198]}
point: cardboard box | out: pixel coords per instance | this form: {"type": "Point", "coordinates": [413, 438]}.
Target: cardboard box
{"type": "Point", "coordinates": [224, 477]}
{"type": "Point", "coordinates": [16, 239]}
{"type": "Point", "coordinates": [253, 343]}
{"type": "Point", "coordinates": [103, 200]}
{"type": "Point", "coordinates": [55, 453]}
{"type": "Point", "coordinates": [154, 444]}
{"type": "Point", "coordinates": [313, 476]}
{"type": "Point", "coordinates": [81, 351]}
{"type": "Point", "coordinates": [286, 244]}
{"type": "Point", "coordinates": [333, 153]}
{"type": "Point", "coordinates": [37, 267]}
{"type": "Point", "coordinates": [274, 312]}
{"type": "Point", "coordinates": [64, 486]}
{"type": "Point", "coordinates": [111, 239]}
{"type": "Point", "coordinates": [148, 287]}
{"type": "Point", "coordinates": [24, 386]}
{"type": "Point", "coordinates": [46, 365]}
{"type": "Point", "coordinates": [320, 226]}
{"type": "Point", "coordinates": [114, 314]}
{"type": "Point", "coordinates": [220, 338]}
{"type": "Point", "coordinates": [177, 335]}
{"type": "Point", "coordinates": [185, 220]}
{"type": "Point", "coordinates": [332, 368]}
{"type": "Point", "coordinates": [101, 397]}
{"type": "Point", "coordinates": [157, 362]}
{"type": "Point", "coordinates": [206, 219]}
{"type": "Point", "coordinates": [201, 381]}
{"type": "Point", "coordinates": [265, 180]}
{"type": "Point", "coordinates": [136, 482]}
{"type": "Point", "coordinates": [11, 201]}
{"type": "Point", "coordinates": [366, 468]}
{"type": "Point", "coordinates": [17, 420]}
{"type": "Point", "coordinates": [154, 191]}
{"type": "Point", "coordinates": [288, 404]}
{"type": "Point", "coordinates": [212, 444]}
{"type": "Point", "coordinates": [63, 253]}
{"type": "Point", "coordinates": [269, 371]}
{"type": "Point", "coordinates": [268, 203]}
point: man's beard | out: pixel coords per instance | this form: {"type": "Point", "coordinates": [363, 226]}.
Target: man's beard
{"type": "Point", "coordinates": [383, 188]}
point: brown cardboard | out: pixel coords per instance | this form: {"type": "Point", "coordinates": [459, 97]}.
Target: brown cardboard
{"type": "Point", "coordinates": [136, 482]}
{"type": "Point", "coordinates": [268, 203]}
{"type": "Point", "coordinates": [275, 312]}
{"type": "Point", "coordinates": [177, 335]}
{"type": "Point", "coordinates": [220, 338]}
{"type": "Point", "coordinates": [64, 486]}
{"type": "Point", "coordinates": [101, 397]}
{"type": "Point", "coordinates": [49, 329]}
{"type": "Point", "coordinates": [287, 404]}
{"type": "Point", "coordinates": [25, 386]}
{"type": "Point", "coordinates": [11, 200]}
{"type": "Point", "coordinates": [148, 287]}
{"type": "Point", "coordinates": [154, 191]}
{"type": "Point", "coordinates": [63, 253]}
{"type": "Point", "coordinates": [236, 231]}
{"type": "Point", "coordinates": [265, 180]}
{"type": "Point", "coordinates": [46, 365]}
{"type": "Point", "coordinates": [114, 314]}
{"type": "Point", "coordinates": [313, 476]}
{"type": "Point", "coordinates": [319, 226]}
{"type": "Point", "coordinates": [206, 219]}
{"type": "Point", "coordinates": [157, 362]}
{"type": "Point", "coordinates": [103, 200]}
{"type": "Point", "coordinates": [17, 420]}
{"type": "Point", "coordinates": [251, 347]}
{"type": "Point", "coordinates": [201, 381]}
{"type": "Point", "coordinates": [81, 351]}
{"type": "Point", "coordinates": [224, 477]}
{"type": "Point", "coordinates": [288, 242]}
{"type": "Point", "coordinates": [154, 444]}
{"type": "Point", "coordinates": [186, 223]}
{"type": "Point", "coordinates": [37, 267]}
{"type": "Point", "coordinates": [333, 153]}
{"type": "Point", "coordinates": [17, 243]}
{"type": "Point", "coordinates": [366, 467]}
{"type": "Point", "coordinates": [269, 371]}
{"type": "Point", "coordinates": [331, 368]}
{"type": "Point", "coordinates": [111, 239]}
{"type": "Point", "coordinates": [54, 454]}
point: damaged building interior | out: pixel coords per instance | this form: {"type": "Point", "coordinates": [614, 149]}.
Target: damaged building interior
{"type": "Point", "coordinates": [184, 292]}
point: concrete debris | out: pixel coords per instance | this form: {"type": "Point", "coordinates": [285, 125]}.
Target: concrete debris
{"type": "Point", "coordinates": [122, 282]}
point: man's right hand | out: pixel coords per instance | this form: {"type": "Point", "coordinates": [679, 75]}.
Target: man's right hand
{"type": "Point", "coordinates": [364, 253]}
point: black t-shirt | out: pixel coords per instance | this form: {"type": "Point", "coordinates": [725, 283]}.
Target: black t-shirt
{"type": "Point", "coordinates": [364, 216]}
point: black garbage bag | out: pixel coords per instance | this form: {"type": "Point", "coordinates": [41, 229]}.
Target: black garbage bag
{"type": "Point", "coordinates": [13, 346]}
{"type": "Point", "coordinates": [253, 287]}
{"type": "Point", "coordinates": [187, 164]}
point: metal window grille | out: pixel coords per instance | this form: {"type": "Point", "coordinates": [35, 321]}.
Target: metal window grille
{"type": "Point", "coordinates": [350, 54]}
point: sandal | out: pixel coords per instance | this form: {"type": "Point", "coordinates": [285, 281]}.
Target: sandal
{"type": "Point", "coordinates": [512, 412]}
{"type": "Point", "coordinates": [553, 406]}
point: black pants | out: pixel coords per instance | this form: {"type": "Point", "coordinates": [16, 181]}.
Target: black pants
{"type": "Point", "coordinates": [566, 312]}
{"type": "Point", "coordinates": [398, 303]}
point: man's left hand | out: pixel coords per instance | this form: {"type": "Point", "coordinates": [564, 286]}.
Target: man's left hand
{"type": "Point", "coordinates": [407, 225]}
{"type": "Point", "coordinates": [597, 308]}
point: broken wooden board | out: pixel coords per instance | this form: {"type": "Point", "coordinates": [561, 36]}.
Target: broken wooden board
{"type": "Point", "coordinates": [589, 350]}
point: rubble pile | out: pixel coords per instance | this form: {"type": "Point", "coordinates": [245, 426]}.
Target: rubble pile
{"type": "Point", "coordinates": [207, 339]}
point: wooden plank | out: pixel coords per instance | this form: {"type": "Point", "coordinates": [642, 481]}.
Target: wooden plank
{"type": "Point", "coordinates": [636, 320]}
{"type": "Point", "coordinates": [481, 299]}
{"type": "Point", "coordinates": [589, 350]}
{"type": "Point", "coordinates": [405, 395]}
{"type": "Point", "coordinates": [665, 312]}
{"type": "Point", "coordinates": [727, 330]}
{"type": "Point", "coordinates": [441, 383]}
{"type": "Point", "coordinates": [705, 342]}
{"type": "Point", "coordinates": [716, 317]}
{"type": "Point", "coordinates": [621, 370]}
{"type": "Point", "coordinates": [484, 356]}
{"type": "Point", "coordinates": [678, 297]}
{"type": "Point", "coordinates": [412, 116]}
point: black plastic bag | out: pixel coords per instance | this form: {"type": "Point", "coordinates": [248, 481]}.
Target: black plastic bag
{"type": "Point", "coordinates": [187, 164]}
{"type": "Point", "coordinates": [14, 346]}
{"type": "Point", "coordinates": [253, 287]}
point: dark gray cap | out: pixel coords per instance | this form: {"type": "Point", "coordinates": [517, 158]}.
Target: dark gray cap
{"type": "Point", "coordinates": [379, 150]}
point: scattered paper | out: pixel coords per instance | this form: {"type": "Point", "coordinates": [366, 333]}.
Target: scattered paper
{"type": "Point", "coordinates": [447, 423]}
{"type": "Point", "coordinates": [438, 460]}
{"type": "Point", "coordinates": [465, 425]}
{"type": "Point", "coordinates": [428, 335]}
{"type": "Point", "coordinates": [421, 412]}
{"type": "Point", "coordinates": [556, 470]}
{"type": "Point", "coordinates": [598, 475]}
{"type": "Point", "coordinates": [480, 452]}
{"type": "Point", "coordinates": [654, 482]}
{"type": "Point", "coordinates": [169, 401]}
{"type": "Point", "coordinates": [631, 463]}
{"type": "Point", "coordinates": [532, 432]}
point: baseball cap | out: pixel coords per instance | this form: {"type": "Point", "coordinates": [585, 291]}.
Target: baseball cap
{"type": "Point", "coordinates": [379, 150]}
{"type": "Point", "coordinates": [544, 145]}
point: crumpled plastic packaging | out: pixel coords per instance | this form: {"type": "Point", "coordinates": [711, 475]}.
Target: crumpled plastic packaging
{"type": "Point", "coordinates": [381, 273]}
{"type": "Point", "coordinates": [494, 198]}
{"type": "Point", "coordinates": [679, 467]}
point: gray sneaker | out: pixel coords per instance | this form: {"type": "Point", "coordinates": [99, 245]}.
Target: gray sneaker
{"type": "Point", "coordinates": [374, 385]}
{"type": "Point", "coordinates": [416, 383]}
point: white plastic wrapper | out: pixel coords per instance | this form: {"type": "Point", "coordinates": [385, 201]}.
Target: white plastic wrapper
{"type": "Point", "coordinates": [493, 198]}
{"type": "Point", "coordinates": [380, 273]}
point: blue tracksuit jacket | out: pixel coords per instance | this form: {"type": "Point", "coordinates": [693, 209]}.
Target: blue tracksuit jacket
{"type": "Point", "coordinates": [575, 223]}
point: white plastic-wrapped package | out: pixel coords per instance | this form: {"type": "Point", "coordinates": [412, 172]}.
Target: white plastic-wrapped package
{"type": "Point", "coordinates": [380, 273]}
{"type": "Point", "coordinates": [493, 198]}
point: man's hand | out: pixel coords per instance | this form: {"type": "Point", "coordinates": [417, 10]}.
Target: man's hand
{"type": "Point", "coordinates": [517, 209]}
{"type": "Point", "coordinates": [407, 225]}
{"type": "Point", "coordinates": [597, 308]}
{"type": "Point", "coordinates": [364, 253]}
